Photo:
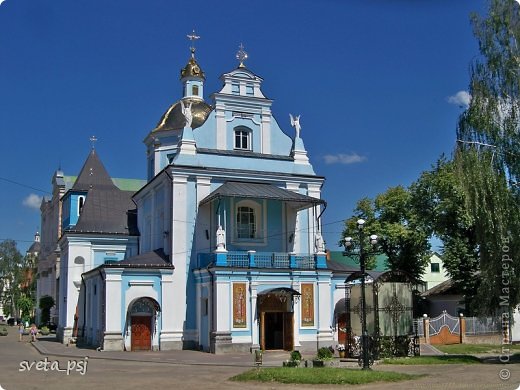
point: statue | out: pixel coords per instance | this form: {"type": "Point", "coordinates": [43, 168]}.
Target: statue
{"type": "Point", "coordinates": [295, 122]}
{"type": "Point", "coordinates": [221, 239]}
{"type": "Point", "coordinates": [320, 243]}
{"type": "Point", "coordinates": [186, 111]}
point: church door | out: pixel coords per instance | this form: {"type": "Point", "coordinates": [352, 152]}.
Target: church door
{"type": "Point", "coordinates": [141, 334]}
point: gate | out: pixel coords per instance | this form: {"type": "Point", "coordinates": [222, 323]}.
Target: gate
{"type": "Point", "coordinates": [445, 329]}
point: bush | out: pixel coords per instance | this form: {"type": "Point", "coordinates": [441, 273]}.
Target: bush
{"type": "Point", "coordinates": [3, 331]}
{"type": "Point", "coordinates": [296, 356]}
{"type": "Point", "coordinates": [44, 331]}
{"type": "Point", "coordinates": [324, 353]}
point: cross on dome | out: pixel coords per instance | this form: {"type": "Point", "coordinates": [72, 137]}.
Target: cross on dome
{"type": "Point", "coordinates": [241, 56]}
{"type": "Point", "coordinates": [93, 139]}
{"type": "Point", "coordinates": [193, 37]}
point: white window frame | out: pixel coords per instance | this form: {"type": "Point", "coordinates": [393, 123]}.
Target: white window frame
{"type": "Point", "coordinates": [260, 211]}
{"type": "Point", "coordinates": [245, 134]}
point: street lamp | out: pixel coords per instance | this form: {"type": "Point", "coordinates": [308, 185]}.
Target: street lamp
{"type": "Point", "coordinates": [357, 250]}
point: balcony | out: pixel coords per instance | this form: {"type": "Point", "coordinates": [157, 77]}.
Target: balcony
{"type": "Point", "coordinates": [252, 259]}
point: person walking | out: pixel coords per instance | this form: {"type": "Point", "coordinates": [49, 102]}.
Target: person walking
{"type": "Point", "coordinates": [21, 329]}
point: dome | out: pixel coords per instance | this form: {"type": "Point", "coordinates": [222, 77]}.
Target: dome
{"type": "Point", "coordinates": [192, 69]}
{"type": "Point", "coordinates": [173, 119]}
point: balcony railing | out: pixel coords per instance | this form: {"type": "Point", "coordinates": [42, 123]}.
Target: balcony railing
{"type": "Point", "coordinates": [252, 259]}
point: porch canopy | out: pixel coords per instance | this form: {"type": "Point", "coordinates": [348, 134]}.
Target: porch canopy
{"type": "Point", "coordinates": [235, 189]}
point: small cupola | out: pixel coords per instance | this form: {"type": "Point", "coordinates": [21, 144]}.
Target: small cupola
{"type": "Point", "coordinates": [192, 75]}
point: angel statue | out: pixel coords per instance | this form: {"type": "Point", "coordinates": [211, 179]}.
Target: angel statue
{"type": "Point", "coordinates": [221, 239]}
{"type": "Point", "coordinates": [186, 111]}
{"type": "Point", "coordinates": [295, 122]}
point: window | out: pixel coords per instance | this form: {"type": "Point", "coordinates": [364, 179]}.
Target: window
{"type": "Point", "coordinates": [246, 222]}
{"type": "Point", "coordinates": [81, 202]}
{"type": "Point", "coordinates": [235, 88]}
{"type": "Point", "coordinates": [249, 90]}
{"type": "Point", "coordinates": [195, 90]}
{"type": "Point", "coordinates": [435, 267]}
{"type": "Point", "coordinates": [242, 139]}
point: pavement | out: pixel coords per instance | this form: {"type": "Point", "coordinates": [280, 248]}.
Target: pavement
{"type": "Point", "coordinates": [25, 365]}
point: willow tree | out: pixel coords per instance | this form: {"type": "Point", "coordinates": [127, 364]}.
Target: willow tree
{"type": "Point", "coordinates": [488, 155]}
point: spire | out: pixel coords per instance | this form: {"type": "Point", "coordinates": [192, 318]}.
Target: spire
{"type": "Point", "coordinates": [93, 175]}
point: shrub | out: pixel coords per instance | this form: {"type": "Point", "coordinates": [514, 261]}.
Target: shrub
{"type": "Point", "coordinates": [324, 353]}
{"type": "Point", "coordinates": [44, 330]}
{"type": "Point", "coordinates": [296, 356]}
{"type": "Point", "coordinates": [3, 331]}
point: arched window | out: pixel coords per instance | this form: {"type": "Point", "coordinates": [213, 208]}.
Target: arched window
{"type": "Point", "coordinates": [195, 90]}
{"type": "Point", "coordinates": [249, 221]}
{"type": "Point", "coordinates": [242, 138]}
{"type": "Point", "coordinates": [81, 202]}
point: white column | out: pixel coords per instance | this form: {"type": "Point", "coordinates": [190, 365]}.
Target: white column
{"type": "Point", "coordinates": [168, 338]}
{"type": "Point", "coordinates": [297, 319]}
{"type": "Point", "coordinates": [266, 131]}
{"type": "Point", "coordinates": [202, 244]}
{"type": "Point", "coordinates": [255, 337]}
{"type": "Point", "coordinates": [220, 115]}
{"type": "Point", "coordinates": [323, 301]}
{"type": "Point", "coordinates": [113, 337]}
{"type": "Point", "coordinates": [180, 256]}
{"type": "Point", "coordinates": [223, 309]}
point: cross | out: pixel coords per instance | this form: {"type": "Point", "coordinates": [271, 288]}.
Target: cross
{"type": "Point", "coordinates": [193, 37]}
{"type": "Point", "coordinates": [93, 139]}
{"type": "Point", "coordinates": [241, 56]}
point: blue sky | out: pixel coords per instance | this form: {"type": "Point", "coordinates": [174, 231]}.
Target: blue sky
{"type": "Point", "coordinates": [371, 79]}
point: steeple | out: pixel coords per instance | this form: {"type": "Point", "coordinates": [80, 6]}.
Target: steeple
{"type": "Point", "coordinates": [93, 174]}
{"type": "Point", "coordinates": [192, 76]}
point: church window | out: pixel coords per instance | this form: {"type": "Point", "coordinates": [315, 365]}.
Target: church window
{"type": "Point", "coordinates": [81, 202]}
{"type": "Point", "coordinates": [249, 90]}
{"type": "Point", "coordinates": [246, 222]}
{"type": "Point", "coordinates": [195, 90]}
{"type": "Point", "coordinates": [235, 88]}
{"type": "Point", "coordinates": [242, 139]}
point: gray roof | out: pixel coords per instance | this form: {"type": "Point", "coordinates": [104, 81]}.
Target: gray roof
{"type": "Point", "coordinates": [93, 175]}
{"type": "Point", "coordinates": [447, 287]}
{"type": "Point", "coordinates": [107, 209]}
{"type": "Point", "coordinates": [234, 189]}
{"type": "Point", "coordinates": [154, 259]}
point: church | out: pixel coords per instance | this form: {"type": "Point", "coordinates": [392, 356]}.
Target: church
{"type": "Point", "coordinates": [220, 250]}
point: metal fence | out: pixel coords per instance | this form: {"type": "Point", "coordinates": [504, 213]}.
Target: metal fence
{"type": "Point", "coordinates": [485, 325]}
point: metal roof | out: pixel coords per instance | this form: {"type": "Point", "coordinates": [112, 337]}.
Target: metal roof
{"type": "Point", "coordinates": [233, 189]}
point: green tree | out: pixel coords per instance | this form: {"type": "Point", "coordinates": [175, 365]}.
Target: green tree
{"type": "Point", "coordinates": [439, 202]}
{"type": "Point", "coordinates": [401, 238]}
{"type": "Point", "coordinates": [26, 306]}
{"type": "Point", "coordinates": [488, 155]}
{"type": "Point", "coordinates": [10, 274]}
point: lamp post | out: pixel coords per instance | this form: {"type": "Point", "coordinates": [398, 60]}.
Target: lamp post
{"type": "Point", "coordinates": [361, 254]}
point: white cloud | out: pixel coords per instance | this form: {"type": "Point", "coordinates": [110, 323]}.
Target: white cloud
{"type": "Point", "coordinates": [461, 99]}
{"type": "Point", "coordinates": [33, 201]}
{"type": "Point", "coordinates": [345, 159]}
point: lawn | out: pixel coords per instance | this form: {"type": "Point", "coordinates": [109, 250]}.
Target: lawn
{"type": "Point", "coordinates": [448, 359]}
{"type": "Point", "coordinates": [321, 376]}
{"type": "Point", "coordinates": [473, 349]}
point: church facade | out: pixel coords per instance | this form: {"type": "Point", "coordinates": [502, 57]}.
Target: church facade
{"type": "Point", "coordinates": [225, 252]}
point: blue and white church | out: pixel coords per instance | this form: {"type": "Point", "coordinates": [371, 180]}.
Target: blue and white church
{"type": "Point", "coordinates": [226, 253]}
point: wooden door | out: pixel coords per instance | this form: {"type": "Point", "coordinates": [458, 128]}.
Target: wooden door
{"type": "Point", "coordinates": [141, 334]}
{"type": "Point", "coordinates": [288, 331]}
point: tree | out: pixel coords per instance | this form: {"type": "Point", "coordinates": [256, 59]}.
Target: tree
{"type": "Point", "coordinates": [10, 273]}
{"type": "Point", "coordinates": [488, 155]}
{"type": "Point", "coordinates": [26, 306]}
{"type": "Point", "coordinates": [401, 238]}
{"type": "Point", "coordinates": [439, 202]}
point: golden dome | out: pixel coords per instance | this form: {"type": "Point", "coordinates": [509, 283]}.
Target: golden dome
{"type": "Point", "coordinates": [173, 119]}
{"type": "Point", "coordinates": [192, 69]}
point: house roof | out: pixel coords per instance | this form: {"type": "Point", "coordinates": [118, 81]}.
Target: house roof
{"type": "Point", "coordinates": [448, 287]}
{"type": "Point", "coordinates": [232, 189]}
{"type": "Point", "coordinates": [154, 259]}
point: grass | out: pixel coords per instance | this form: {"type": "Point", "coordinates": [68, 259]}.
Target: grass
{"type": "Point", "coordinates": [473, 349]}
{"type": "Point", "coordinates": [448, 359]}
{"type": "Point", "coordinates": [321, 376]}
